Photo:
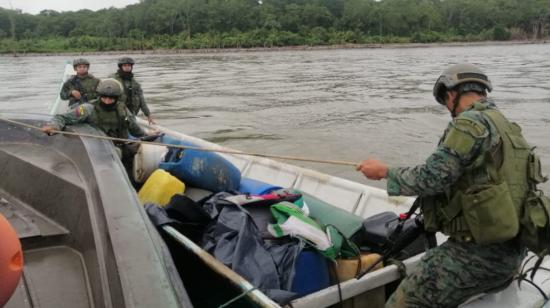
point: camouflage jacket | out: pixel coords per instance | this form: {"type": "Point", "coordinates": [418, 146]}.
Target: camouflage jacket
{"type": "Point", "coordinates": [444, 167]}
{"type": "Point", "coordinates": [86, 85]}
{"type": "Point", "coordinates": [132, 95]}
{"type": "Point", "coordinates": [118, 123]}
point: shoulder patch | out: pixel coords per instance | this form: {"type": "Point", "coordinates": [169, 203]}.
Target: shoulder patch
{"type": "Point", "coordinates": [472, 127]}
{"type": "Point", "coordinates": [79, 111]}
{"type": "Point", "coordinates": [83, 110]}
{"type": "Point", "coordinates": [463, 135]}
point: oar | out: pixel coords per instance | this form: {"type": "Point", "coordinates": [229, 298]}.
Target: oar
{"type": "Point", "coordinates": [185, 147]}
{"type": "Point", "coordinates": [248, 289]}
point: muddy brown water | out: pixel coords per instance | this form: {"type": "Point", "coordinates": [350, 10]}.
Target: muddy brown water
{"type": "Point", "coordinates": [342, 104]}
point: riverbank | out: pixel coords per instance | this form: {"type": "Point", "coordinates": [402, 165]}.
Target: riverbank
{"type": "Point", "coordinates": [285, 48]}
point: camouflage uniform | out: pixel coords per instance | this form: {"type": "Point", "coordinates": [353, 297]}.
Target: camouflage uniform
{"type": "Point", "coordinates": [132, 94]}
{"type": "Point", "coordinates": [118, 123]}
{"type": "Point", "coordinates": [86, 85]}
{"type": "Point", "coordinates": [456, 270]}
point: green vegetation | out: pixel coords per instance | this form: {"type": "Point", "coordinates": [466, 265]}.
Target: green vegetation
{"type": "Point", "coordinates": [185, 24]}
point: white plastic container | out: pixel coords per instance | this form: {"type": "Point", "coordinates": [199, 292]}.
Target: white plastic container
{"type": "Point", "coordinates": [147, 160]}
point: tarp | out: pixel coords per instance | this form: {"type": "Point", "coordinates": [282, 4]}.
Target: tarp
{"type": "Point", "coordinates": [235, 240]}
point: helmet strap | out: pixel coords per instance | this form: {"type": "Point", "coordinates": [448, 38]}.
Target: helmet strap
{"type": "Point", "coordinates": [456, 101]}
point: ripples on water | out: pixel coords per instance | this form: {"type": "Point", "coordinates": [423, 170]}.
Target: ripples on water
{"type": "Point", "coordinates": [345, 104]}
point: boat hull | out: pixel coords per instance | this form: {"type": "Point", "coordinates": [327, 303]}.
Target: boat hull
{"type": "Point", "coordinates": [87, 241]}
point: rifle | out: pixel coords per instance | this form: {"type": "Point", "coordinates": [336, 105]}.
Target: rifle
{"type": "Point", "coordinates": [401, 237]}
{"type": "Point", "coordinates": [78, 86]}
{"type": "Point", "coordinates": [129, 93]}
{"type": "Point", "coordinates": [147, 138]}
{"type": "Point", "coordinates": [151, 138]}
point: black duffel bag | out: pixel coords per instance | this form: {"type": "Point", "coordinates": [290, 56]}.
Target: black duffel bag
{"type": "Point", "coordinates": [394, 237]}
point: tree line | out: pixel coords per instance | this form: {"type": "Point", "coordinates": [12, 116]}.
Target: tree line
{"type": "Point", "coordinates": [182, 24]}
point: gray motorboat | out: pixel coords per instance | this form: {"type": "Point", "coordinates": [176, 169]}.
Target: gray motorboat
{"type": "Point", "coordinates": [86, 239]}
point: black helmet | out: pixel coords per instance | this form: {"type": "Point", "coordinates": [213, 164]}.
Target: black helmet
{"type": "Point", "coordinates": [469, 77]}
{"type": "Point", "coordinates": [125, 60]}
{"type": "Point", "coordinates": [109, 87]}
{"type": "Point", "coordinates": [80, 61]}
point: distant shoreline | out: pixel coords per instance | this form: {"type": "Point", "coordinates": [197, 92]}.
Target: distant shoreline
{"type": "Point", "coordinates": [286, 48]}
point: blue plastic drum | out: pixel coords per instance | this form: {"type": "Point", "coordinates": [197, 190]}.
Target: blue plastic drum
{"type": "Point", "coordinates": [200, 169]}
{"type": "Point", "coordinates": [310, 273]}
{"type": "Point", "coordinates": [255, 187]}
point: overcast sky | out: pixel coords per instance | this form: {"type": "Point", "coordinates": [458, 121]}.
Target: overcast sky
{"type": "Point", "coordinates": [35, 6]}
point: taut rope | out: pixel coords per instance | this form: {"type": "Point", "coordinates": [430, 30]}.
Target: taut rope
{"type": "Point", "coordinates": [185, 147]}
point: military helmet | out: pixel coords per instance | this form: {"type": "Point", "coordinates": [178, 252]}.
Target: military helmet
{"type": "Point", "coordinates": [80, 61]}
{"type": "Point", "coordinates": [109, 87]}
{"type": "Point", "coordinates": [125, 60]}
{"type": "Point", "coordinates": [469, 76]}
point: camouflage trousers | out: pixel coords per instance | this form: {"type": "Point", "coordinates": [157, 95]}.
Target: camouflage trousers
{"type": "Point", "coordinates": [453, 272]}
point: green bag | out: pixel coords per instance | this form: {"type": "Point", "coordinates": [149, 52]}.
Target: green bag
{"type": "Point", "coordinates": [535, 221]}
{"type": "Point", "coordinates": [327, 214]}
{"type": "Point", "coordinates": [328, 240]}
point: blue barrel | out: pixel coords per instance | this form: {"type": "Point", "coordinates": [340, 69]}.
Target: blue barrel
{"type": "Point", "coordinates": [200, 169]}
{"type": "Point", "coordinates": [255, 187]}
{"type": "Point", "coordinates": [310, 273]}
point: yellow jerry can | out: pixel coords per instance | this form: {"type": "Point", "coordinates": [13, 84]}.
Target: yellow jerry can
{"type": "Point", "coordinates": [160, 187]}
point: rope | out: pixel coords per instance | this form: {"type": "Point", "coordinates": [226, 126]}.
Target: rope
{"type": "Point", "coordinates": [231, 301]}
{"type": "Point", "coordinates": [185, 147]}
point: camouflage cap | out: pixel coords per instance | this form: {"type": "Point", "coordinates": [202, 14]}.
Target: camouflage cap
{"type": "Point", "coordinates": [80, 61]}
{"type": "Point", "coordinates": [109, 87]}
{"type": "Point", "coordinates": [465, 74]}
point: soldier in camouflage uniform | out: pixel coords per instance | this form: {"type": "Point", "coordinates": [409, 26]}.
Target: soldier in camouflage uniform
{"type": "Point", "coordinates": [81, 88]}
{"type": "Point", "coordinates": [107, 114]}
{"type": "Point", "coordinates": [132, 94]}
{"type": "Point", "coordinates": [480, 255]}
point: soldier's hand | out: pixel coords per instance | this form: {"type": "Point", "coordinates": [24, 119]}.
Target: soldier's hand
{"type": "Point", "coordinates": [373, 169]}
{"type": "Point", "coordinates": [150, 119]}
{"type": "Point", "coordinates": [48, 130]}
{"type": "Point", "coordinates": [75, 94]}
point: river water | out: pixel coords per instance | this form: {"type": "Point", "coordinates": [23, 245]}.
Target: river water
{"type": "Point", "coordinates": [341, 104]}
